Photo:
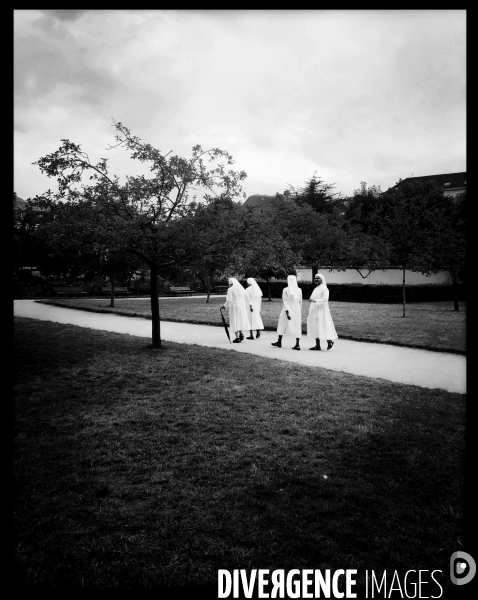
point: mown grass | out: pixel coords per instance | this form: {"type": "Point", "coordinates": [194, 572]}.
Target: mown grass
{"type": "Point", "coordinates": [431, 325]}
{"type": "Point", "coordinates": [142, 468]}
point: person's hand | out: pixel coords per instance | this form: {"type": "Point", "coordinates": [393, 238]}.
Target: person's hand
{"type": "Point", "coordinates": [287, 313]}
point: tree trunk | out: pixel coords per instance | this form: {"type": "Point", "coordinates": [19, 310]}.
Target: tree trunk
{"type": "Point", "coordinates": [314, 272]}
{"type": "Point", "coordinates": [403, 291]}
{"type": "Point", "coordinates": [206, 282]}
{"type": "Point", "coordinates": [156, 328]}
{"type": "Point", "coordinates": [269, 289]}
{"type": "Point", "coordinates": [112, 289]}
{"type": "Point", "coordinates": [454, 279]}
{"type": "Point", "coordinates": [208, 289]}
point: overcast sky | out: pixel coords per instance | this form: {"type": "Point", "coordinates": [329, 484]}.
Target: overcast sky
{"type": "Point", "coordinates": [355, 95]}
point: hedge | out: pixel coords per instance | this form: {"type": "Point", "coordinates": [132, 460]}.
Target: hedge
{"type": "Point", "coordinates": [383, 294]}
{"type": "Point", "coordinates": [341, 292]}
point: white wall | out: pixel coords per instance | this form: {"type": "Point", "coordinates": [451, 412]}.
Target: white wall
{"type": "Point", "coordinates": [389, 277]}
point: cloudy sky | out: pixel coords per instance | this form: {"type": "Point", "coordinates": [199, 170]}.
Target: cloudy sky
{"type": "Point", "coordinates": [355, 95]}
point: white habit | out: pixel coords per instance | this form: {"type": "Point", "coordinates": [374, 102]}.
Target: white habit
{"type": "Point", "coordinates": [319, 320]}
{"type": "Point", "coordinates": [292, 301]}
{"type": "Point", "coordinates": [236, 300]}
{"type": "Point", "coordinates": [254, 293]}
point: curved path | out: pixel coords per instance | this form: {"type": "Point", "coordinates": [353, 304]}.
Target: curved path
{"type": "Point", "coordinates": [393, 363]}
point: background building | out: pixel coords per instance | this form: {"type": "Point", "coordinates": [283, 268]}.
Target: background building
{"type": "Point", "coordinates": [452, 183]}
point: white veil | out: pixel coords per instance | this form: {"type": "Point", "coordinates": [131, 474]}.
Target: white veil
{"type": "Point", "coordinates": [237, 287]}
{"type": "Point", "coordinates": [293, 287]}
{"type": "Point", "coordinates": [256, 290]}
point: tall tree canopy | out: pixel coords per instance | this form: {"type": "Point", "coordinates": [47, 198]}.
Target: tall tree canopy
{"type": "Point", "coordinates": [140, 215]}
{"type": "Point", "coordinates": [316, 193]}
{"type": "Point", "coordinates": [217, 234]}
{"type": "Point", "coordinates": [446, 249]}
{"type": "Point", "coordinates": [360, 209]}
{"type": "Point", "coordinates": [364, 249]}
{"type": "Point", "coordinates": [408, 218]}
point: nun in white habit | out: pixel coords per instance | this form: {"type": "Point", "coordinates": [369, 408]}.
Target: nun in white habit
{"type": "Point", "coordinates": [290, 318]}
{"type": "Point", "coordinates": [236, 300]}
{"type": "Point", "coordinates": [319, 321]}
{"type": "Point", "coordinates": [254, 294]}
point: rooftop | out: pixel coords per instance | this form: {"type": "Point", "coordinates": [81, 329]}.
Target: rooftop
{"type": "Point", "coordinates": [446, 180]}
{"type": "Point", "coordinates": [259, 200]}
{"type": "Point", "coordinates": [18, 203]}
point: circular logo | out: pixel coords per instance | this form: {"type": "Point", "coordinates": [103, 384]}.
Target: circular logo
{"type": "Point", "coordinates": [462, 568]}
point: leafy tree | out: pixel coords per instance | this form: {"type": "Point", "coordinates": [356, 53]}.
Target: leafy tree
{"type": "Point", "coordinates": [317, 238]}
{"type": "Point", "coordinates": [296, 234]}
{"type": "Point", "coordinates": [217, 234]}
{"type": "Point", "coordinates": [364, 252]}
{"type": "Point", "coordinates": [316, 193]}
{"type": "Point", "coordinates": [363, 248]}
{"type": "Point", "coordinates": [25, 245]}
{"type": "Point", "coordinates": [37, 242]}
{"type": "Point", "coordinates": [141, 215]}
{"type": "Point", "coordinates": [360, 209]}
{"type": "Point", "coordinates": [78, 244]}
{"type": "Point", "coordinates": [325, 246]}
{"type": "Point", "coordinates": [446, 249]}
{"type": "Point", "coordinates": [118, 265]}
{"type": "Point", "coordinates": [276, 249]}
{"type": "Point", "coordinates": [269, 255]}
{"type": "Point", "coordinates": [408, 218]}
{"type": "Point", "coordinates": [29, 251]}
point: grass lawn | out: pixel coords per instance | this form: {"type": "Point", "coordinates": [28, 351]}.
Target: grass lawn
{"type": "Point", "coordinates": [431, 325]}
{"type": "Point", "coordinates": [142, 468]}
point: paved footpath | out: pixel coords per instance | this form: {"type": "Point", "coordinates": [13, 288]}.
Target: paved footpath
{"type": "Point", "coordinates": [412, 366]}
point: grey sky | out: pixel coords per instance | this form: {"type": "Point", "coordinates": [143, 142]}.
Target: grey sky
{"type": "Point", "coordinates": [354, 95]}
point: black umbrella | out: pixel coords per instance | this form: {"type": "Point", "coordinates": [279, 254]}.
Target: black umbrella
{"type": "Point", "coordinates": [224, 323]}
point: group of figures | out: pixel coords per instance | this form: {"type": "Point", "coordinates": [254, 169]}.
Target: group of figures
{"type": "Point", "coordinates": [320, 325]}
{"type": "Point", "coordinates": [237, 300]}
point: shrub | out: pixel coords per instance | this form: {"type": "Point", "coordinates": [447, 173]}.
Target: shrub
{"type": "Point", "coordinates": [382, 294]}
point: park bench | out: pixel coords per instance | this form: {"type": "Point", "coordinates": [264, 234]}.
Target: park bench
{"type": "Point", "coordinates": [180, 290]}
{"type": "Point", "coordinates": [221, 289]}
{"type": "Point", "coordinates": [119, 290]}
{"type": "Point", "coordinates": [65, 290]}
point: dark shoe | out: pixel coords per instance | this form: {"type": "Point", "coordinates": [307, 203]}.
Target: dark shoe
{"type": "Point", "coordinates": [315, 348]}
{"type": "Point", "coordinates": [296, 347]}
{"type": "Point", "coordinates": [277, 344]}
{"type": "Point", "coordinates": [250, 337]}
{"type": "Point", "coordinates": [258, 335]}
{"type": "Point", "coordinates": [236, 341]}
{"type": "Point", "coordinates": [329, 345]}
{"type": "Point", "coordinates": [241, 336]}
